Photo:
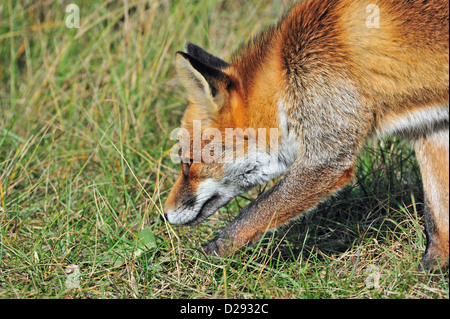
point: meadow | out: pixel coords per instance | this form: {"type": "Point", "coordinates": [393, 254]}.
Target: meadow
{"type": "Point", "coordinates": [85, 119]}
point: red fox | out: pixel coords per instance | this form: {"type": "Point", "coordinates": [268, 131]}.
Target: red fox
{"type": "Point", "coordinates": [330, 74]}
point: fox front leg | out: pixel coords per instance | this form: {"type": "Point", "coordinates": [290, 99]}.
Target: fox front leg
{"type": "Point", "coordinates": [300, 190]}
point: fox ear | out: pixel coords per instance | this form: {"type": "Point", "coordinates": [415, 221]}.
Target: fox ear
{"type": "Point", "coordinates": [204, 56]}
{"type": "Point", "coordinates": [202, 82]}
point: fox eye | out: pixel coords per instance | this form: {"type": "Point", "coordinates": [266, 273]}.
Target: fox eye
{"type": "Point", "coordinates": [185, 167]}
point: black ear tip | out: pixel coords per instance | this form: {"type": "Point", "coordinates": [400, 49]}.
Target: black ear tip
{"type": "Point", "coordinates": [188, 46]}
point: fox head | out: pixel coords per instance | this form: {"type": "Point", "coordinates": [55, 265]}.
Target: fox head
{"type": "Point", "coordinates": [219, 102]}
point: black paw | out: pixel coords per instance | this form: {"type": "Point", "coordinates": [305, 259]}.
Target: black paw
{"type": "Point", "coordinates": [430, 264]}
{"type": "Point", "coordinates": [212, 248]}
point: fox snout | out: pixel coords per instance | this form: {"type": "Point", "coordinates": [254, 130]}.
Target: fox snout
{"type": "Point", "coordinates": [179, 208]}
{"type": "Point", "coordinates": [193, 214]}
{"type": "Point", "coordinates": [188, 206]}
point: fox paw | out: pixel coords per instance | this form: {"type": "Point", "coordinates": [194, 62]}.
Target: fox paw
{"type": "Point", "coordinates": [212, 248]}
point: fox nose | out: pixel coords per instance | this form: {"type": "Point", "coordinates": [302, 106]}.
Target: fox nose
{"type": "Point", "coordinates": [163, 217]}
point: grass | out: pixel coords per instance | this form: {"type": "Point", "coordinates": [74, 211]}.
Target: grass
{"type": "Point", "coordinates": [85, 119]}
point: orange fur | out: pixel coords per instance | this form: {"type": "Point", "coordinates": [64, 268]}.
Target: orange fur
{"type": "Point", "coordinates": [328, 81]}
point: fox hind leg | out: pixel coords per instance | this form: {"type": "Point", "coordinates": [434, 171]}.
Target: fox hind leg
{"type": "Point", "coordinates": [432, 153]}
